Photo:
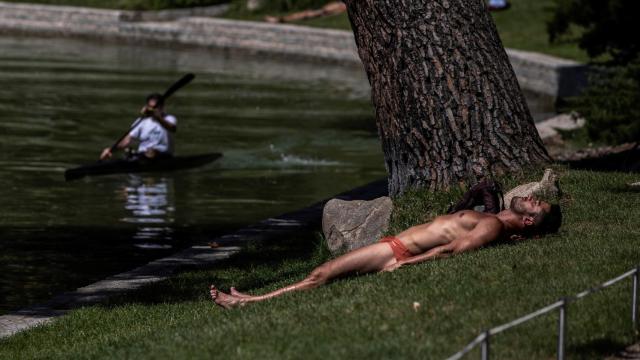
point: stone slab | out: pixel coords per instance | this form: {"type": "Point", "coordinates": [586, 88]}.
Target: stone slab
{"type": "Point", "coordinates": [549, 128]}
{"type": "Point", "coordinates": [547, 74]}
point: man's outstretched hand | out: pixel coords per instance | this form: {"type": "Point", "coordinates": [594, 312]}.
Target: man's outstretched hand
{"type": "Point", "coordinates": [394, 266]}
{"type": "Point", "coordinates": [106, 154]}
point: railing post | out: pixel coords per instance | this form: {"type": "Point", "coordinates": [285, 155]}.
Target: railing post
{"type": "Point", "coordinates": [561, 328]}
{"type": "Point", "coordinates": [485, 346]}
{"type": "Point", "coordinates": [634, 302]}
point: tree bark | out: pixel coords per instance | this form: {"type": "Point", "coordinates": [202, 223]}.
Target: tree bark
{"type": "Point", "coordinates": [448, 105]}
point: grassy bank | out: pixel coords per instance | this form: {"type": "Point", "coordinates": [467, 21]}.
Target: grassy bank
{"type": "Point", "coordinates": [523, 27]}
{"type": "Point", "coordinates": [372, 316]}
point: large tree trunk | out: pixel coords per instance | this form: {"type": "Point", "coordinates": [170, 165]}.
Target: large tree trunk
{"type": "Point", "coordinates": [448, 106]}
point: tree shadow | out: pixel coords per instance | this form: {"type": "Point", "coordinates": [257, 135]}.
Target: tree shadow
{"type": "Point", "coordinates": [597, 348]}
{"type": "Point", "coordinates": [625, 160]}
{"type": "Point", "coordinates": [624, 189]}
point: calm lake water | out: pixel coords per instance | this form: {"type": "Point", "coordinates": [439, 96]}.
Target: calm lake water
{"type": "Point", "coordinates": [291, 135]}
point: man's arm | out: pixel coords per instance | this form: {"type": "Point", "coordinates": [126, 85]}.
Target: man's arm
{"type": "Point", "coordinates": [106, 153]}
{"type": "Point", "coordinates": [125, 142]}
{"type": "Point", "coordinates": [486, 230]}
{"type": "Point", "coordinates": [159, 117]}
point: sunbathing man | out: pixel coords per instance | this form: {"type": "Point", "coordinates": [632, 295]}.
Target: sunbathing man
{"type": "Point", "coordinates": [444, 236]}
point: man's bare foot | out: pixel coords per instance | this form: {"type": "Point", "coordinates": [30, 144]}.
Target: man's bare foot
{"type": "Point", "coordinates": [237, 293]}
{"type": "Point", "coordinates": [225, 300]}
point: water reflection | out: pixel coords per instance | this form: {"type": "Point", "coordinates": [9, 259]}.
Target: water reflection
{"type": "Point", "coordinates": [149, 203]}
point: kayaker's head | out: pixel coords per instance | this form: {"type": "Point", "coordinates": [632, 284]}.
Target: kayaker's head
{"type": "Point", "coordinates": [155, 101]}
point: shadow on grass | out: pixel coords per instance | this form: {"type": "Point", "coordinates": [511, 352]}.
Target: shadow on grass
{"type": "Point", "coordinates": [597, 348]}
{"type": "Point", "coordinates": [258, 265]}
{"type": "Point", "coordinates": [624, 190]}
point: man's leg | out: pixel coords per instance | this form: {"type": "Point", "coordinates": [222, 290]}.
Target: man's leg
{"type": "Point", "coordinates": [372, 258]}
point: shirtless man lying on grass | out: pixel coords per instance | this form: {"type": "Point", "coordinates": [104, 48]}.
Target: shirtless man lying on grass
{"type": "Point", "coordinates": [444, 236]}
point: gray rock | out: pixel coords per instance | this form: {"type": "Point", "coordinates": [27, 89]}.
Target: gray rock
{"type": "Point", "coordinates": [548, 128]}
{"type": "Point", "coordinates": [547, 187]}
{"type": "Point", "coordinates": [348, 225]}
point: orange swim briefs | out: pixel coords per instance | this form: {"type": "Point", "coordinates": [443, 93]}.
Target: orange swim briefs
{"type": "Point", "coordinates": [399, 250]}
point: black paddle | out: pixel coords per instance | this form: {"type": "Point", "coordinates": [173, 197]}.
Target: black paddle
{"type": "Point", "coordinates": [172, 89]}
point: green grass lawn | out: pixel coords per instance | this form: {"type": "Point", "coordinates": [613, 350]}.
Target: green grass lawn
{"type": "Point", "coordinates": [372, 316]}
{"type": "Point", "coordinates": [524, 27]}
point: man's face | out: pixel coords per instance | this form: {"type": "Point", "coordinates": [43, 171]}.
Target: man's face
{"type": "Point", "coordinates": [529, 205]}
{"type": "Point", "coordinates": [152, 103]}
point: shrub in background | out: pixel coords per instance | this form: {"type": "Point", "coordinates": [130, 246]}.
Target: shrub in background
{"type": "Point", "coordinates": [610, 26]}
{"type": "Point", "coordinates": [611, 104]}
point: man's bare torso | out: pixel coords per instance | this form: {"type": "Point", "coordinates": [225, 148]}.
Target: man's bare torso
{"type": "Point", "coordinates": [443, 230]}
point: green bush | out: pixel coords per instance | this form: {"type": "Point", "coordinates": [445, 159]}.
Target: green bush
{"type": "Point", "coordinates": [610, 26]}
{"type": "Point", "coordinates": [611, 104]}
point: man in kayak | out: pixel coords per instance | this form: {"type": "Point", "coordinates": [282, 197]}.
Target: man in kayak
{"type": "Point", "coordinates": [153, 130]}
{"type": "Point", "coordinates": [446, 235]}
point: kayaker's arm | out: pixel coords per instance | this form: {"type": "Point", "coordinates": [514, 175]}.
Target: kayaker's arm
{"type": "Point", "coordinates": [106, 153]}
{"type": "Point", "coordinates": [158, 116]}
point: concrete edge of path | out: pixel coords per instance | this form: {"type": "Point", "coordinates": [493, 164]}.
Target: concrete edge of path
{"type": "Point", "coordinates": [195, 27]}
{"type": "Point", "coordinates": [85, 14]}
{"type": "Point", "coordinates": [195, 256]}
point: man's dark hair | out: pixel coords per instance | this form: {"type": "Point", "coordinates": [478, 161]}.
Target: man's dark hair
{"type": "Point", "coordinates": [157, 97]}
{"type": "Point", "coordinates": [551, 221]}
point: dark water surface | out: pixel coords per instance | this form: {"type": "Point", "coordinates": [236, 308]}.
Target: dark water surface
{"type": "Point", "coordinates": [290, 134]}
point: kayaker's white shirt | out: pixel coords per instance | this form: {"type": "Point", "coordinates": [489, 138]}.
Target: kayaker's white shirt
{"type": "Point", "coordinates": [152, 135]}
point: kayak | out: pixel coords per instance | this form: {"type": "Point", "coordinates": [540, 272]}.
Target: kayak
{"type": "Point", "coordinates": [121, 166]}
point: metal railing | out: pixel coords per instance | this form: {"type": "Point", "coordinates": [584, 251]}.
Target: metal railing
{"type": "Point", "coordinates": [485, 337]}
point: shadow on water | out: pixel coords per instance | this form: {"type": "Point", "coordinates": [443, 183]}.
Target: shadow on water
{"type": "Point", "coordinates": [39, 263]}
